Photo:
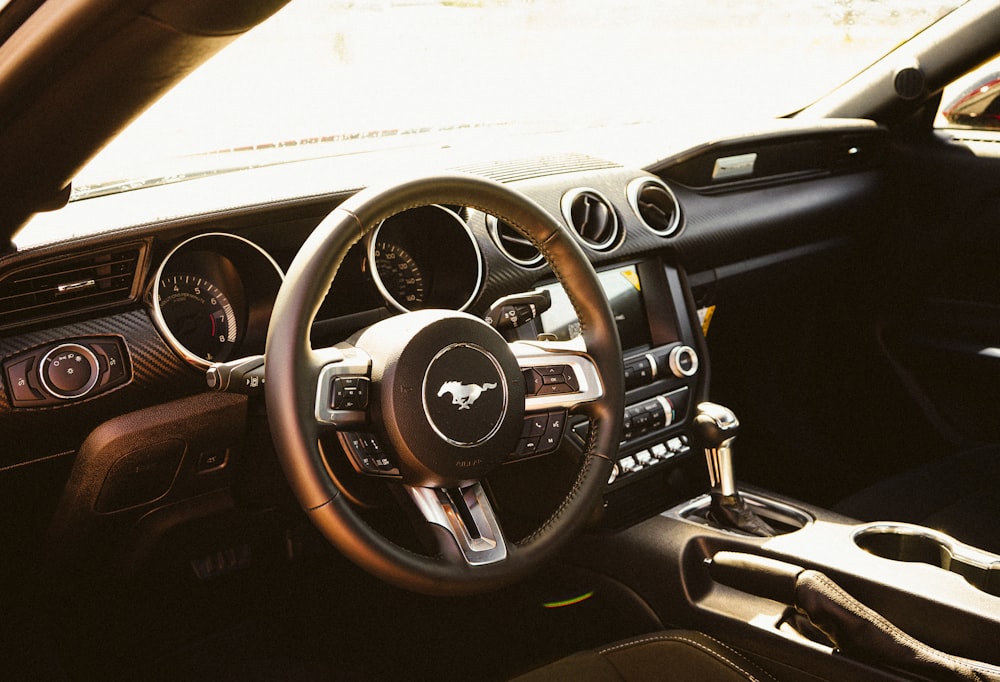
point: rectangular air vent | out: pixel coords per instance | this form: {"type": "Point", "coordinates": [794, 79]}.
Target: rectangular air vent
{"type": "Point", "coordinates": [65, 286]}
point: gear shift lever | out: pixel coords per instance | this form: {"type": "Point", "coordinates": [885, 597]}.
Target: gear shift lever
{"type": "Point", "coordinates": [716, 428]}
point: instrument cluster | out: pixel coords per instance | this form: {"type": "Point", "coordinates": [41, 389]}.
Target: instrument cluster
{"type": "Point", "coordinates": [213, 294]}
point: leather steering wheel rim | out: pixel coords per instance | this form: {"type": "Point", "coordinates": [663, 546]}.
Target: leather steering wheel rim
{"type": "Point", "coordinates": [291, 383]}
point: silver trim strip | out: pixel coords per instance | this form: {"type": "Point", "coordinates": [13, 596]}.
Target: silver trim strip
{"type": "Point", "coordinates": [652, 365]}
{"type": "Point", "coordinates": [530, 354]}
{"type": "Point", "coordinates": [75, 286]}
{"type": "Point", "coordinates": [438, 507]}
{"type": "Point", "coordinates": [668, 410]}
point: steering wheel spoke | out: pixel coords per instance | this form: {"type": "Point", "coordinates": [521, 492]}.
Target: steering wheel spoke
{"type": "Point", "coordinates": [342, 387]}
{"type": "Point", "coordinates": [466, 516]}
{"type": "Point", "coordinates": [557, 376]}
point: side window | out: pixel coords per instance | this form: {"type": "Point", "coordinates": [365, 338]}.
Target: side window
{"type": "Point", "coordinates": [973, 101]}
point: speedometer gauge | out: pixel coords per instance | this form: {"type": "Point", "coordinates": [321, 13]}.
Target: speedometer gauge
{"type": "Point", "coordinates": [425, 257]}
{"type": "Point", "coordinates": [199, 315]}
{"type": "Point", "coordinates": [399, 275]}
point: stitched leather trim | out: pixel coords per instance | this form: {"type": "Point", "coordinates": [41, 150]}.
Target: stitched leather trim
{"type": "Point", "coordinates": [737, 661]}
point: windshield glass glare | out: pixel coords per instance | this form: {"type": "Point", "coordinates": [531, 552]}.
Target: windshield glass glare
{"type": "Point", "coordinates": [329, 77]}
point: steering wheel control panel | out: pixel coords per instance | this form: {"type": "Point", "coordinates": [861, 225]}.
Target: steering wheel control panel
{"type": "Point", "coordinates": [67, 370]}
{"type": "Point", "coordinates": [541, 434]}
{"type": "Point", "coordinates": [368, 454]}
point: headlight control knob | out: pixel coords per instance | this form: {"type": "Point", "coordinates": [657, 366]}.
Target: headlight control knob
{"type": "Point", "coordinates": [69, 371]}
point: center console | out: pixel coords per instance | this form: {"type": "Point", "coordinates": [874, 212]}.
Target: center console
{"type": "Point", "coordinates": [698, 570]}
{"type": "Point", "coordinates": [657, 464]}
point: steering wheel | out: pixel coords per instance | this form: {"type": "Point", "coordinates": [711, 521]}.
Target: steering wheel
{"type": "Point", "coordinates": [435, 399]}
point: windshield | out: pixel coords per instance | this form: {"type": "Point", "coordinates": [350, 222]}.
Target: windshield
{"type": "Point", "coordinates": [334, 77]}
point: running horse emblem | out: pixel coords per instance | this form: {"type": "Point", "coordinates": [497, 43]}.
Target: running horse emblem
{"type": "Point", "coordinates": [464, 395]}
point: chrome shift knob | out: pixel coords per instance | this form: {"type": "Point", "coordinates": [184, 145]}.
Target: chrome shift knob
{"type": "Point", "coordinates": [716, 427]}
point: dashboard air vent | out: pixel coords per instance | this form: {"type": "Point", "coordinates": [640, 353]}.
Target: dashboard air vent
{"type": "Point", "coordinates": [69, 285]}
{"type": "Point", "coordinates": [592, 217]}
{"type": "Point", "coordinates": [512, 243]}
{"type": "Point", "coordinates": [656, 205]}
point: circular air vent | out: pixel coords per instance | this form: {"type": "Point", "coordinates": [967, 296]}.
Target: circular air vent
{"type": "Point", "coordinates": [655, 205]}
{"type": "Point", "coordinates": [512, 243]}
{"type": "Point", "coordinates": [592, 217]}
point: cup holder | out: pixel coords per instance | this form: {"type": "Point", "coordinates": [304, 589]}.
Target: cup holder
{"type": "Point", "coordinates": [905, 542]}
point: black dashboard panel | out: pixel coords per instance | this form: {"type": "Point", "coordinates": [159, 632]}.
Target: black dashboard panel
{"type": "Point", "coordinates": [716, 230]}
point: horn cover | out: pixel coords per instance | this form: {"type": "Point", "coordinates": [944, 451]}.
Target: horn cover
{"type": "Point", "coordinates": [449, 393]}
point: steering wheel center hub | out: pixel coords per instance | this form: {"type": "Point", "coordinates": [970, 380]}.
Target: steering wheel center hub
{"type": "Point", "coordinates": [450, 395]}
{"type": "Point", "coordinates": [465, 394]}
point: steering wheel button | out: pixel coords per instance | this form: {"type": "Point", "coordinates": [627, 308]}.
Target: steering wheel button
{"type": "Point", "coordinates": [349, 393]}
{"type": "Point", "coordinates": [571, 380]}
{"type": "Point", "coordinates": [527, 446]}
{"type": "Point", "coordinates": [534, 425]}
{"type": "Point", "coordinates": [553, 433]}
{"type": "Point", "coordinates": [532, 381]}
{"type": "Point", "coordinates": [553, 379]}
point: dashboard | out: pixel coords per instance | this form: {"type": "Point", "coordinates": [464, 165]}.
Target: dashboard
{"type": "Point", "coordinates": [139, 313]}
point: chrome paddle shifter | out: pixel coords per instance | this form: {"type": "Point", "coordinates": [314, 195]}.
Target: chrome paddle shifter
{"type": "Point", "coordinates": [716, 428]}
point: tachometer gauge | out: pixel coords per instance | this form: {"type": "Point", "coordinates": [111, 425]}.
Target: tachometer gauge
{"type": "Point", "coordinates": [398, 275]}
{"type": "Point", "coordinates": [199, 316]}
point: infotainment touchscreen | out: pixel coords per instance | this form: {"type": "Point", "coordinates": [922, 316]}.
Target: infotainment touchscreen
{"type": "Point", "coordinates": [624, 292]}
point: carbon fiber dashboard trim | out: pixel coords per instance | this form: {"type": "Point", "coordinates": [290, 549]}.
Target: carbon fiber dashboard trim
{"type": "Point", "coordinates": [158, 375]}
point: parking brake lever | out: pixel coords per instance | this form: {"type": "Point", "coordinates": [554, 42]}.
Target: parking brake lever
{"type": "Point", "coordinates": [716, 428]}
{"type": "Point", "coordinates": [850, 626]}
